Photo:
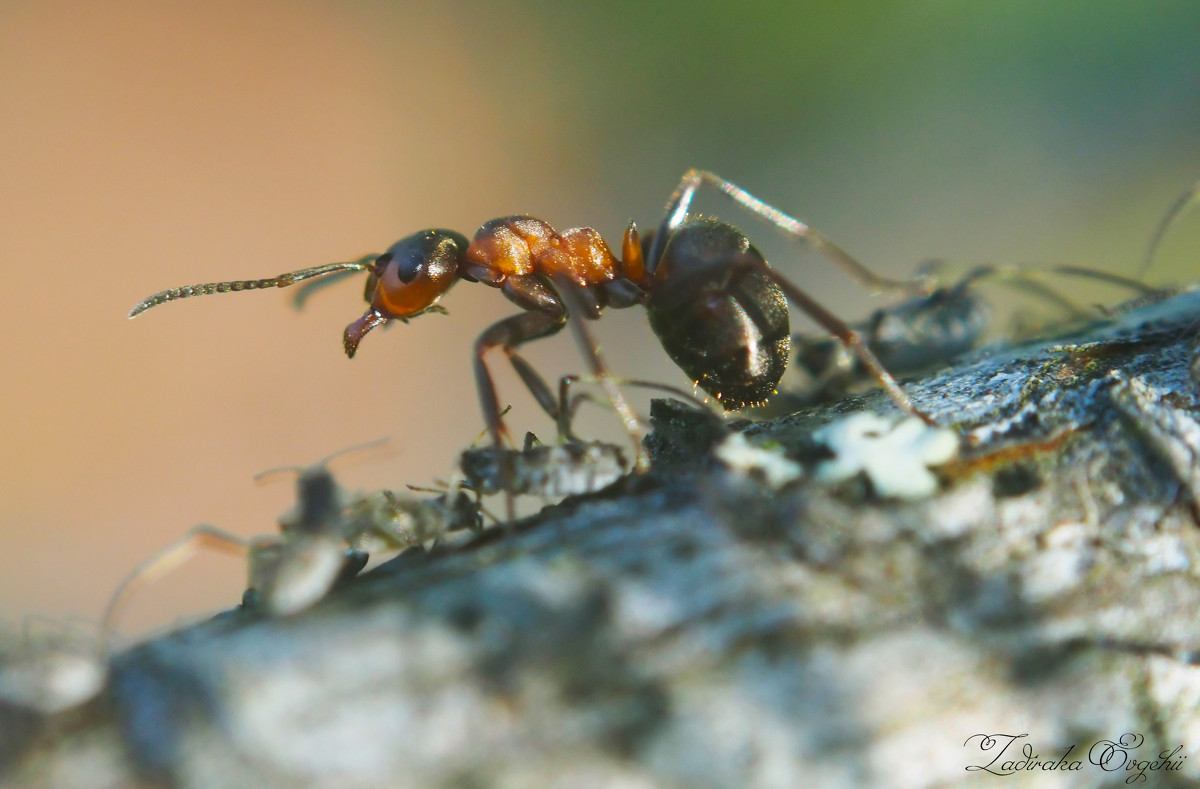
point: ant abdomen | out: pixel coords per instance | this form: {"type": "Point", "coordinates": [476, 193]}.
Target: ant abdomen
{"type": "Point", "coordinates": [722, 320]}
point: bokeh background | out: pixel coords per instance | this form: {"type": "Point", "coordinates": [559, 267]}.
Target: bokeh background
{"type": "Point", "coordinates": [145, 145]}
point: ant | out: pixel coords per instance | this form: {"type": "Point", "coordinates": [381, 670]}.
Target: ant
{"type": "Point", "coordinates": [547, 470]}
{"type": "Point", "coordinates": [322, 541]}
{"type": "Point", "coordinates": [718, 309]}
{"type": "Point", "coordinates": [569, 467]}
{"type": "Point", "coordinates": [932, 329]}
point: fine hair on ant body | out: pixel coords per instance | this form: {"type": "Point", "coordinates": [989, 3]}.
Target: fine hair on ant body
{"type": "Point", "coordinates": [718, 309]}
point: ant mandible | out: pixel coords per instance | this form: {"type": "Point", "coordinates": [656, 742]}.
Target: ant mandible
{"type": "Point", "coordinates": [718, 309]}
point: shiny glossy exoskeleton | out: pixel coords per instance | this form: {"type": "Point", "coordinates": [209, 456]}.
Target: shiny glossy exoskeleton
{"type": "Point", "coordinates": [718, 309]}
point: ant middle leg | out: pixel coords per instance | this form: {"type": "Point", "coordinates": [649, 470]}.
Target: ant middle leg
{"type": "Point", "coordinates": [681, 200]}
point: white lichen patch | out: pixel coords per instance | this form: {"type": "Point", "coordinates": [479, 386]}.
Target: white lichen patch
{"type": "Point", "coordinates": [958, 512]}
{"type": "Point", "coordinates": [894, 454]}
{"type": "Point", "coordinates": [1054, 572]}
{"type": "Point", "coordinates": [746, 459]}
{"type": "Point", "coordinates": [50, 672]}
{"type": "Point", "coordinates": [1163, 553]}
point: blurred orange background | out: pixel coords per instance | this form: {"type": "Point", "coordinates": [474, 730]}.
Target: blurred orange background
{"type": "Point", "coordinates": [146, 145]}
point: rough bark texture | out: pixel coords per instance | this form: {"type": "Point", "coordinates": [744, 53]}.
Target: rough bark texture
{"type": "Point", "coordinates": [695, 627]}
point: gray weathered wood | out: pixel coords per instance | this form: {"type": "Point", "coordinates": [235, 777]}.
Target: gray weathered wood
{"type": "Point", "coordinates": [693, 627]}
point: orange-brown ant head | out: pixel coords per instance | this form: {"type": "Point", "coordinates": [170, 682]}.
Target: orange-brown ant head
{"type": "Point", "coordinates": [409, 279]}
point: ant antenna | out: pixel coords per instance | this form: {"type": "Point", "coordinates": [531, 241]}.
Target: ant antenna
{"type": "Point", "coordinates": [261, 476]}
{"type": "Point", "coordinates": [1189, 196]}
{"type": "Point", "coordinates": [302, 294]}
{"type": "Point", "coordinates": [282, 281]}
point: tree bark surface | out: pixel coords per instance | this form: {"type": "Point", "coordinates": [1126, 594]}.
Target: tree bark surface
{"type": "Point", "coordinates": [699, 626]}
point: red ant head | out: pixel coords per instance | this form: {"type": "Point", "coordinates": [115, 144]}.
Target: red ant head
{"type": "Point", "coordinates": [408, 279]}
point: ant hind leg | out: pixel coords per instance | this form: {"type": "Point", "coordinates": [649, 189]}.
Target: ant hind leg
{"type": "Point", "coordinates": [838, 328]}
{"type": "Point", "coordinates": [681, 200]}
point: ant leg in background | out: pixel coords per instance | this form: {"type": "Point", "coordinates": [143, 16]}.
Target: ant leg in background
{"type": "Point", "coordinates": [167, 560]}
{"type": "Point", "coordinates": [930, 330]}
{"type": "Point", "coordinates": [570, 405]}
{"type": "Point", "coordinates": [681, 200]}
{"type": "Point", "coordinates": [1189, 196]}
{"type": "Point", "coordinates": [1030, 280]}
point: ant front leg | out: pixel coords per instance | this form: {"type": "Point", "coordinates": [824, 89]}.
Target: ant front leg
{"type": "Point", "coordinates": [546, 316]}
{"type": "Point", "coordinates": [578, 310]}
{"type": "Point", "coordinates": [681, 201]}
{"type": "Point", "coordinates": [507, 334]}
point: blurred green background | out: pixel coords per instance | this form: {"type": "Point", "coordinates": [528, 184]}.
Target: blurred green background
{"type": "Point", "coordinates": [146, 145]}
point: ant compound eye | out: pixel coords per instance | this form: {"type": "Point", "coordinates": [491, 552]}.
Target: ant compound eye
{"type": "Point", "coordinates": [412, 275]}
{"type": "Point", "coordinates": [381, 263]}
{"type": "Point", "coordinates": [408, 279]}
